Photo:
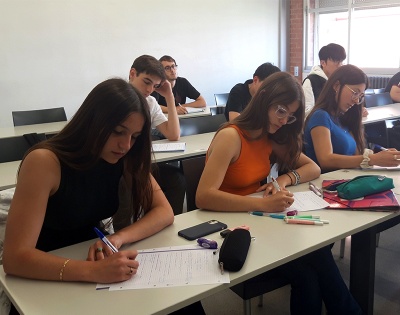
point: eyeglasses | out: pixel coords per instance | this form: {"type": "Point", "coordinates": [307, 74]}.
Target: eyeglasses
{"type": "Point", "coordinates": [357, 97]}
{"type": "Point", "coordinates": [282, 113]}
{"type": "Point", "coordinates": [169, 68]}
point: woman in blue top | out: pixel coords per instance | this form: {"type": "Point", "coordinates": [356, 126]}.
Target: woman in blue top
{"type": "Point", "coordinates": [334, 134]}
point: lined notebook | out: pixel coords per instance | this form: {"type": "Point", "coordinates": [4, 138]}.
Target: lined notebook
{"type": "Point", "coordinates": [169, 146]}
{"type": "Point", "coordinates": [383, 201]}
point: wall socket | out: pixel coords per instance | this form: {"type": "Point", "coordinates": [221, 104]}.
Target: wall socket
{"type": "Point", "coordinates": [296, 71]}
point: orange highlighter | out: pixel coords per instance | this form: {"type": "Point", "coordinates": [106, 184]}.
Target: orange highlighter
{"type": "Point", "coordinates": [307, 222]}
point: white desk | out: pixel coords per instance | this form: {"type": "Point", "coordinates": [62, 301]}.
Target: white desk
{"type": "Point", "coordinates": [48, 128]}
{"type": "Point", "coordinates": [265, 253]}
{"type": "Point", "coordinates": [8, 174]}
{"type": "Point", "coordinates": [381, 113]}
{"type": "Point", "coordinates": [195, 145]}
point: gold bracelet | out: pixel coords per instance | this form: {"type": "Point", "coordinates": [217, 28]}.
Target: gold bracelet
{"type": "Point", "coordinates": [62, 269]}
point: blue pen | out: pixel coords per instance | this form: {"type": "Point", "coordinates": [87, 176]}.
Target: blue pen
{"type": "Point", "coordinates": [105, 240]}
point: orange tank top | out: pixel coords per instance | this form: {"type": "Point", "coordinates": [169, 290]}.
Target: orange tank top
{"type": "Point", "coordinates": [243, 176]}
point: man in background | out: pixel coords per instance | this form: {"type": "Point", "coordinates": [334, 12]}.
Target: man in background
{"type": "Point", "coordinates": [331, 57]}
{"type": "Point", "coordinates": [393, 87]}
{"type": "Point", "coordinates": [147, 75]}
{"type": "Point", "coordinates": [240, 95]}
{"type": "Point", "coordinates": [181, 89]}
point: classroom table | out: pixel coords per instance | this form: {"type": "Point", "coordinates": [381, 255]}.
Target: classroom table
{"type": "Point", "coordinates": [382, 113]}
{"type": "Point", "coordinates": [54, 127]}
{"type": "Point", "coordinates": [195, 145]}
{"type": "Point", "coordinates": [265, 253]}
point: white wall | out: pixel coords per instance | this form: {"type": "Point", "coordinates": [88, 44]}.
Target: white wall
{"type": "Point", "coordinates": [53, 52]}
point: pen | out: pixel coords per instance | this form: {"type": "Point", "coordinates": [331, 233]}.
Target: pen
{"type": "Point", "coordinates": [306, 222]}
{"type": "Point", "coordinates": [314, 189]}
{"type": "Point", "coordinates": [303, 216]}
{"type": "Point", "coordinates": [185, 110]}
{"type": "Point", "coordinates": [105, 240]}
{"type": "Point", "coordinates": [275, 183]}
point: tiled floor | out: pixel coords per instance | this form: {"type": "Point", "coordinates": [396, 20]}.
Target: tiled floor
{"type": "Point", "coordinates": [387, 284]}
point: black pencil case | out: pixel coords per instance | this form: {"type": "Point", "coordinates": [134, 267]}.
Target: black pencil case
{"type": "Point", "coordinates": [234, 249]}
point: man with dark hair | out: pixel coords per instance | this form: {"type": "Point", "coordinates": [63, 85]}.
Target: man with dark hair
{"type": "Point", "coordinates": [181, 88]}
{"type": "Point", "coordinates": [393, 87]}
{"type": "Point", "coordinates": [147, 75]}
{"type": "Point", "coordinates": [331, 57]}
{"type": "Point", "coordinates": [240, 95]}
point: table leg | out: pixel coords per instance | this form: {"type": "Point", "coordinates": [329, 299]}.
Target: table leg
{"type": "Point", "coordinates": [362, 268]}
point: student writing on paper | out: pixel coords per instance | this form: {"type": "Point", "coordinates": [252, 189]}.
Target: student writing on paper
{"type": "Point", "coordinates": [181, 89]}
{"type": "Point", "coordinates": [68, 184]}
{"type": "Point", "coordinates": [334, 134]}
{"type": "Point", "coordinates": [239, 158]}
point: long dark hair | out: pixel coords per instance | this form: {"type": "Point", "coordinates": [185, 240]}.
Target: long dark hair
{"type": "Point", "coordinates": [352, 119]}
{"type": "Point", "coordinates": [80, 142]}
{"type": "Point", "coordinates": [280, 88]}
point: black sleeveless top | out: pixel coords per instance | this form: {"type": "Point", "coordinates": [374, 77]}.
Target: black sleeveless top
{"type": "Point", "coordinates": [83, 199]}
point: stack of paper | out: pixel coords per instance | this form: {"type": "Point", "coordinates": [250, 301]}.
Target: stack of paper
{"type": "Point", "coordinates": [169, 146]}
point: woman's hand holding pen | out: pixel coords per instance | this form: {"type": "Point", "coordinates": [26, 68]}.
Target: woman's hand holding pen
{"type": "Point", "coordinates": [119, 266]}
{"type": "Point", "coordinates": [277, 202]}
{"type": "Point", "coordinates": [388, 158]}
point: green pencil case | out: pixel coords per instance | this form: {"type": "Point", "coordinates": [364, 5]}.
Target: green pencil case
{"type": "Point", "coordinates": [365, 185]}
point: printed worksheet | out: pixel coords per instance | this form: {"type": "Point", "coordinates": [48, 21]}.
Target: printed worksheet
{"type": "Point", "coordinates": [173, 266]}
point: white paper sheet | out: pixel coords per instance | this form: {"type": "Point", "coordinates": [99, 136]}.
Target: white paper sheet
{"type": "Point", "coordinates": [173, 266]}
{"type": "Point", "coordinates": [191, 110]}
{"type": "Point", "coordinates": [303, 201]}
{"type": "Point", "coordinates": [169, 146]}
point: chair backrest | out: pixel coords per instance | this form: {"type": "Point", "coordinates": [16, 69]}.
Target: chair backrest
{"type": "Point", "coordinates": [221, 99]}
{"type": "Point", "coordinates": [201, 124]}
{"type": "Point", "coordinates": [192, 169]}
{"type": "Point", "coordinates": [38, 116]}
{"type": "Point", "coordinates": [14, 148]}
{"type": "Point", "coordinates": [379, 99]}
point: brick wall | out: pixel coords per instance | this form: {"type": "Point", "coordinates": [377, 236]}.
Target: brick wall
{"type": "Point", "coordinates": [296, 37]}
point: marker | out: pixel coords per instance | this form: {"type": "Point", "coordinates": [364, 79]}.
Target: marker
{"type": "Point", "coordinates": [275, 183]}
{"type": "Point", "coordinates": [303, 216]}
{"type": "Point", "coordinates": [105, 240]}
{"type": "Point", "coordinates": [300, 221]}
{"type": "Point", "coordinates": [310, 219]}
{"type": "Point", "coordinates": [314, 189]}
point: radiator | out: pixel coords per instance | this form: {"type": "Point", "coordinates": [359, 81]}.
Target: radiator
{"type": "Point", "coordinates": [378, 82]}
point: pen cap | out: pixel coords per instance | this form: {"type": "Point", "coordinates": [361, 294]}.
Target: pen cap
{"type": "Point", "coordinates": [234, 249]}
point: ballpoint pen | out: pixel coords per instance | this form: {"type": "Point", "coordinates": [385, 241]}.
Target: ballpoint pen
{"type": "Point", "coordinates": [314, 189]}
{"type": "Point", "coordinates": [105, 240]}
{"type": "Point", "coordinates": [275, 183]}
{"type": "Point", "coordinates": [185, 110]}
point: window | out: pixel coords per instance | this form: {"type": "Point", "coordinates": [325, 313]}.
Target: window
{"type": "Point", "coordinates": [365, 28]}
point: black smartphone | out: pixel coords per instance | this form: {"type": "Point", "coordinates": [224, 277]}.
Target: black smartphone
{"type": "Point", "coordinates": [202, 229]}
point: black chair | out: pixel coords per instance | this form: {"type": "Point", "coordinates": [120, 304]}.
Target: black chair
{"type": "Point", "coordinates": [14, 148]}
{"type": "Point", "coordinates": [378, 99]}
{"type": "Point", "coordinates": [192, 169]}
{"type": "Point", "coordinates": [39, 116]}
{"type": "Point", "coordinates": [201, 124]}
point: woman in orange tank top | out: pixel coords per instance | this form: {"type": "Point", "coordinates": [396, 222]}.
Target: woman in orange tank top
{"type": "Point", "coordinates": [239, 158]}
